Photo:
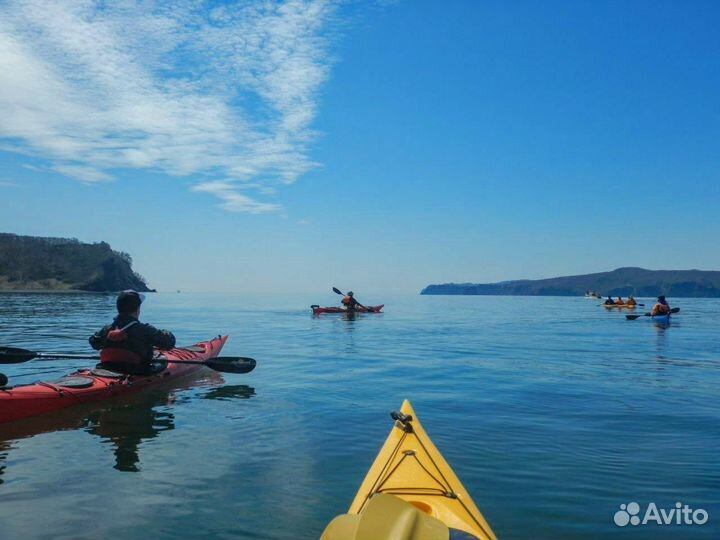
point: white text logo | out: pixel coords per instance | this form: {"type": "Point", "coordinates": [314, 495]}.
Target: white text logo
{"type": "Point", "coordinates": [680, 514]}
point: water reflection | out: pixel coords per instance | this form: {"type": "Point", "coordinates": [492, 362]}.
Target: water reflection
{"type": "Point", "coordinates": [350, 316]}
{"type": "Point", "coordinates": [230, 392]}
{"type": "Point", "coordinates": [125, 425]}
{"type": "Point", "coordinates": [661, 344]}
{"type": "Point", "coordinates": [345, 315]}
{"type": "Point", "coordinates": [5, 447]}
{"type": "Point", "coordinates": [661, 326]}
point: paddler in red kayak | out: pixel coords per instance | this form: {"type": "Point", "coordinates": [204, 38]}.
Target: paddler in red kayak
{"type": "Point", "coordinates": [661, 308]}
{"type": "Point", "coordinates": [127, 343]}
{"type": "Point", "coordinates": [349, 302]}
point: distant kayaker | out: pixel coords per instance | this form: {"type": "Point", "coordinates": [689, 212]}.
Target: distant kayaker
{"type": "Point", "coordinates": [609, 301]}
{"type": "Point", "coordinates": [620, 301]}
{"type": "Point", "coordinates": [661, 308]}
{"type": "Point", "coordinates": [349, 301]}
{"type": "Point", "coordinates": [631, 301]}
{"type": "Point", "coordinates": [128, 342]}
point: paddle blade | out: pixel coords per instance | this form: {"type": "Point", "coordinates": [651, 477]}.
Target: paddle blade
{"type": "Point", "coordinates": [675, 310]}
{"type": "Point", "coordinates": [632, 317]}
{"type": "Point", "coordinates": [12, 355]}
{"type": "Point", "coordinates": [232, 364]}
{"type": "Point", "coordinates": [338, 291]}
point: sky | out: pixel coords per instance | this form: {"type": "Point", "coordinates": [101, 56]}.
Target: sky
{"type": "Point", "coordinates": [374, 145]}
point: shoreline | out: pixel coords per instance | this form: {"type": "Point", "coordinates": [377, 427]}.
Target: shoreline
{"type": "Point", "coordinates": [61, 291]}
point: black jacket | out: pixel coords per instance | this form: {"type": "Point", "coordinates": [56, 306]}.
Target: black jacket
{"type": "Point", "coordinates": [141, 337]}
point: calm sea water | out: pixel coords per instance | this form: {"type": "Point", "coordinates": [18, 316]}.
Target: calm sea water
{"type": "Point", "coordinates": [552, 411]}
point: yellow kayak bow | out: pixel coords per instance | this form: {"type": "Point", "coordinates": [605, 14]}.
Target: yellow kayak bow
{"type": "Point", "coordinates": [410, 468]}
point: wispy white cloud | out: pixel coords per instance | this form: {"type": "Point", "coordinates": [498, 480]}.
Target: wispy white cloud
{"type": "Point", "coordinates": [4, 184]}
{"type": "Point", "coordinates": [234, 201]}
{"type": "Point", "coordinates": [82, 173]}
{"type": "Point", "coordinates": [215, 93]}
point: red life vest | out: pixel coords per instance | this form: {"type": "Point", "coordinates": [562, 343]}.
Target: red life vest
{"type": "Point", "coordinates": [119, 356]}
{"type": "Point", "coordinates": [116, 355]}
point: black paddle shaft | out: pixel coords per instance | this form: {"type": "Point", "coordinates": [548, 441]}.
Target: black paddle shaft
{"type": "Point", "coordinates": [225, 364]}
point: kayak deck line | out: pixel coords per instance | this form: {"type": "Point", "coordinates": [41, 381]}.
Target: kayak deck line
{"type": "Point", "coordinates": [444, 488]}
{"type": "Point", "coordinates": [410, 468]}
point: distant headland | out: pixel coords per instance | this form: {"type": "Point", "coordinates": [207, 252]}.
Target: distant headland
{"type": "Point", "coordinates": [620, 282]}
{"type": "Point", "coordinates": [29, 263]}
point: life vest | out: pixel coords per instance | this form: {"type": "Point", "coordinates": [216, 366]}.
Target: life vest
{"type": "Point", "coordinates": [119, 334]}
{"type": "Point", "coordinates": [348, 301]}
{"type": "Point", "coordinates": [117, 354]}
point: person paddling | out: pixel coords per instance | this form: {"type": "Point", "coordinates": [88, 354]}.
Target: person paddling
{"type": "Point", "coordinates": [609, 301]}
{"type": "Point", "coordinates": [661, 308]}
{"type": "Point", "coordinates": [127, 344]}
{"type": "Point", "coordinates": [631, 301]}
{"type": "Point", "coordinates": [349, 302]}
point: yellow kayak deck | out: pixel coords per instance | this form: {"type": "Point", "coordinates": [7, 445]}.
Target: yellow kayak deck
{"type": "Point", "coordinates": [410, 467]}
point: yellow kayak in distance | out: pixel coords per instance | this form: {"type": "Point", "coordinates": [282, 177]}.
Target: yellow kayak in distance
{"type": "Point", "coordinates": [410, 493]}
{"type": "Point", "coordinates": [619, 306]}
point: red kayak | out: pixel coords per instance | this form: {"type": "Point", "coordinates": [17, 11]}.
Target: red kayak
{"type": "Point", "coordinates": [90, 385]}
{"type": "Point", "coordinates": [317, 310]}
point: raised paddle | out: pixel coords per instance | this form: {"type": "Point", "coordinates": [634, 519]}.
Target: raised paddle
{"type": "Point", "coordinates": [226, 364]}
{"type": "Point", "coordinates": [338, 291]}
{"type": "Point", "coordinates": [633, 317]}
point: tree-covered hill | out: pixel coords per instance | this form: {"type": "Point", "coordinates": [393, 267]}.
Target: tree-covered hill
{"type": "Point", "coordinates": [34, 263]}
{"type": "Point", "coordinates": [623, 281]}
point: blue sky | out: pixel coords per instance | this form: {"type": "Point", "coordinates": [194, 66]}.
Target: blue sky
{"type": "Point", "coordinates": [292, 146]}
